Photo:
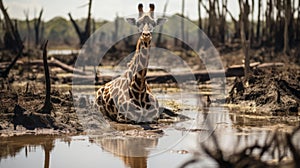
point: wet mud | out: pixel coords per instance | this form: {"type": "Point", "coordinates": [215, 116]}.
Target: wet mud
{"type": "Point", "coordinates": [20, 110]}
{"type": "Point", "coordinates": [269, 91]}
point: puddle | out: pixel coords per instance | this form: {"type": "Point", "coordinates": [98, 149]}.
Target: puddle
{"type": "Point", "coordinates": [77, 151]}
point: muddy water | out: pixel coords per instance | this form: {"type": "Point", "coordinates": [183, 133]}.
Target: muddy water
{"type": "Point", "coordinates": [135, 148]}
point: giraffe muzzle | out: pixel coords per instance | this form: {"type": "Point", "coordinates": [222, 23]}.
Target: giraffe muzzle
{"type": "Point", "coordinates": [146, 36]}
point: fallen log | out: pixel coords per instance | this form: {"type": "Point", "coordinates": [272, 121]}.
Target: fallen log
{"type": "Point", "coordinates": [52, 62]}
{"type": "Point", "coordinates": [57, 63]}
{"type": "Point", "coordinates": [204, 75]}
{"type": "Point", "coordinates": [164, 77]}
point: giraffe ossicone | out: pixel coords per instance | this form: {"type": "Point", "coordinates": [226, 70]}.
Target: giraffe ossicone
{"type": "Point", "coordinates": [146, 18]}
{"type": "Point", "coordinates": [128, 99]}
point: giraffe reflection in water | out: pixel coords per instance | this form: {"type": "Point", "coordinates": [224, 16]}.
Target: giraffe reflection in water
{"type": "Point", "coordinates": [132, 150]}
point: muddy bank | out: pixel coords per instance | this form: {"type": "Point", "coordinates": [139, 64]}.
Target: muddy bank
{"type": "Point", "coordinates": [275, 91]}
{"type": "Point", "coordinates": [20, 111]}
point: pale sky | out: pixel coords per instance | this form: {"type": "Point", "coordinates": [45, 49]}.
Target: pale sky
{"type": "Point", "coordinates": [102, 9]}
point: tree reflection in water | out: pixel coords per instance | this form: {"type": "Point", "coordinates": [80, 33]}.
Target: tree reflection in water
{"type": "Point", "coordinates": [11, 146]}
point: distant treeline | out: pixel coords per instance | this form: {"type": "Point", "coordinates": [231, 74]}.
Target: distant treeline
{"type": "Point", "coordinates": [59, 31]}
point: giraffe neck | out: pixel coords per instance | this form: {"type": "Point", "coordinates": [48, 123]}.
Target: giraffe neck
{"type": "Point", "coordinates": [138, 66]}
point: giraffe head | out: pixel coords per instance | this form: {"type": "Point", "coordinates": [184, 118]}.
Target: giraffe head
{"type": "Point", "coordinates": [146, 22]}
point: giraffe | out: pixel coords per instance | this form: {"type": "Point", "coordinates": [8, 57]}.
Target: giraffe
{"type": "Point", "coordinates": [128, 99]}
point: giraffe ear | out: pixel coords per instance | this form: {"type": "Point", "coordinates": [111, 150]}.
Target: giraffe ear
{"type": "Point", "coordinates": [131, 21]}
{"type": "Point", "coordinates": [161, 21]}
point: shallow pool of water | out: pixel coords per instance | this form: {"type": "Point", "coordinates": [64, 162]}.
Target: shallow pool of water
{"type": "Point", "coordinates": [76, 151]}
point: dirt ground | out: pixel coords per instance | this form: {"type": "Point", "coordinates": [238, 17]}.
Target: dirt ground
{"type": "Point", "coordinates": [19, 110]}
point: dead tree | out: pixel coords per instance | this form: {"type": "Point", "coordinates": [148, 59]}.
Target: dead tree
{"type": "Point", "coordinates": [13, 40]}
{"type": "Point", "coordinates": [287, 7]}
{"type": "Point", "coordinates": [115, 34]}
{"type": "Point", "coordinates": [182, 25]}
{"type": "Point", "coordinates": [42, 31]}
{"type": "Point", "coordinates": [83, 35]}
{"type": "Point", "coordinates": [28, 37]}
{"type": "Point", "coordinates": [298, 23]}
{"type": "Point", "coordinates": [278, 30]}
{"type": "Point", "coordinates": [258, 22]}
{"type": "Point", "coordinates": [199, 14]}
{"type": "Point", "coordinates": [212, 18]}
{"type": "Point", "coordinates": [269, 23]}
{"type": "Point", "coordinates": [37, 25]}
{"type": "Point", "coordinates": [236, 25]}
{"type": "Point", "coordinates": [251, 36]}
{"type": "Point", "coordinates": [47, 107]}
{"type": "Point", "coordinates": [158, 41]}
{"type": "Point", "coordinates": [244, 6]}
{"type": "Point", "coordinates": [222, 19]}
{"type": "Point", "coordinates": [199, 23]}
{"type": "Point", "coordinates": [12, 37]}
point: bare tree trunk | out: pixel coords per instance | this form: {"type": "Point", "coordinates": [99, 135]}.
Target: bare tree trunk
{"type": "Point", "coordinates": [199, 24]}
{"type": "Point", "coordinates": [251, 36]}
{"type": "Point", "coordinates": [115, 34]}
{"type": "Point", "coordinates": [88, 22]}
{"type": "Point", "coordinates": [258, 23]}
{"type": "Point", "coordinates": [158, 41]}
{"type": "Point", "coordinates": [42, 31]}
{"type": "Point", "coordinates": [205, 26]}
{"type": "Point", "coordinates": [245, 42]}
{"type": "Point", "coordinates": [199, 14]}
{"type": "Point", "coordinates": [182, 25]}
{"type": "Point", "coordinates": [269, 22]}
{"type": "Point", "coordinates": [47, 104]}
{"type": "Point", "coordinates": [246, 12]}
{"type": "Point", "coordinates": [298, 23]}
{"type": "Point", "coordinates": [212, 19]}
{"type": "Point", "coordinates": [26, 13]}
{"type": "Point", "coordinates": [222, 18]}
{"type": "Point", "coordinates": [37, 24]}
{"type": "Point", "coordinates": [287, 19]}
{"type": "Point", "coordinates": [77, 29]}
